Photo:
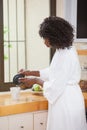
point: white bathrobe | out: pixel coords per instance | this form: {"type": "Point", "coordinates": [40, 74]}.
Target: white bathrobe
{"type": "Point", "coordinates": [66, 109]}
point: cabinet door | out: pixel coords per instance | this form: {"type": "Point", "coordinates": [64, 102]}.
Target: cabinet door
{"type": "Point", "coordinates": [40, 121]}
{"type": "Point", "coordinates": [21, 122]}
{"type": "Point", "coordinates": [3, 123]}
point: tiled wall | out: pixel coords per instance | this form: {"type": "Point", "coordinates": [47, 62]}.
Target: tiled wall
{"type": "Point", "coordinates": [83, 60]}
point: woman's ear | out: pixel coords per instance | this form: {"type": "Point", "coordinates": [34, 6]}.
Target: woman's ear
{"type": "Point", "coordinates": [47, 43]}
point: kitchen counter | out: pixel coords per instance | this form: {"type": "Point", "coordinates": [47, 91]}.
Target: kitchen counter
{"type": "Point", "coordinates": [27, 102]}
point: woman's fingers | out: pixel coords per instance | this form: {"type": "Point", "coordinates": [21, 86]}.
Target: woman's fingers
{"type": "Point", "coordinates": [21, 71]}
{"type": "Point", "coordinates": [23, 80]}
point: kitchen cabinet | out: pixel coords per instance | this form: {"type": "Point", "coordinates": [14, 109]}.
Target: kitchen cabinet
{"type": "Point", "coordinates": [4, 123]}
{"type": "Point", "coordinates": [21, 121]}
{"type": "Point", "coordinates": [25, 121]}
{"type": "Point", "coordinates": [40, 121]}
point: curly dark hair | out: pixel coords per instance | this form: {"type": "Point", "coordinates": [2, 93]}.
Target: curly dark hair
{"type": "Point", "coordinates": [58, 31]}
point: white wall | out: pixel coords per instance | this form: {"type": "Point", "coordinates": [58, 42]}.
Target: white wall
{"type": "Point", "coordinates": [38, 55]}
{"type": "Point", "coordinates": [60, 8]}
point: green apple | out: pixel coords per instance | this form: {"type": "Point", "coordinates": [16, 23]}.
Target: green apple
{"type": "Point", "coordinates": [36, 87]}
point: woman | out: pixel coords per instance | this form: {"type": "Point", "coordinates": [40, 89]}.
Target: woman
{"type": "Point", "coordinates": [60, 80]}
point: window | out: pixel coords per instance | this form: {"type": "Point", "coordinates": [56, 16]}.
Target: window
{"type": "Point", "coordinates": [14, 37]}
{"type": "Point", "coordinates": [14, 43]}
{"type": "Point", "coordinates": [75, 13]}
{"type": "Point", "coordinates": [81, 19]}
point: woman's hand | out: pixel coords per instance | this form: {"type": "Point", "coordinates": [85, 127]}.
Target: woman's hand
{"type": "Point", "coordinates": [25, 72]}
{"type": "Point", "coordinates": [28, 82]}
{"type": "Point", "coordinates": [29, 73]}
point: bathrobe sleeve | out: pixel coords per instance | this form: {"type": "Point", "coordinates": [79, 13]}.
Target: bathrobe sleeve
{"type": "Point", "coordinates": [44, 74]}
{"type": "Point", "coordinates": [61, 70]}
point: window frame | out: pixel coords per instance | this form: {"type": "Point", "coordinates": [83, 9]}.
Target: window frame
{"type": "Point", "coordinates": [52, 13]}
{"type": "Point", "coordinates": [3, 86]}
